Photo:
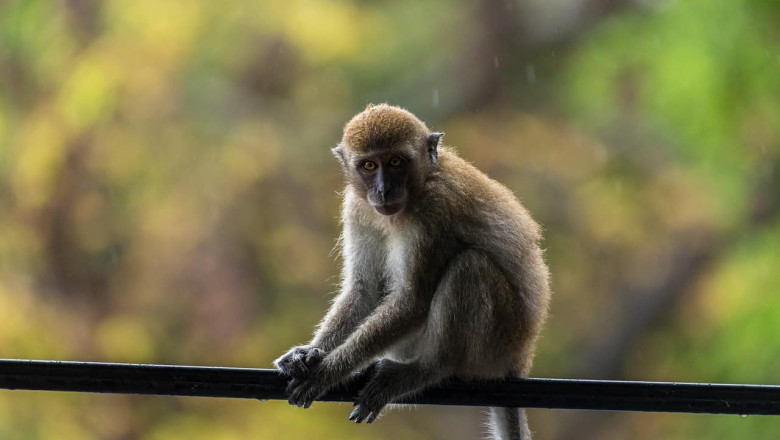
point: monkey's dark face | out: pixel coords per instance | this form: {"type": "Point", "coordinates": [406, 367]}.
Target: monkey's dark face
{"type": "Point", "coordinates": [387, 154]}
{"type": "Point", "coordinates": [385, 178]}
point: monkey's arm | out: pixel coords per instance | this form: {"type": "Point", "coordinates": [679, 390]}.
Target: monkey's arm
{"type": "Point", "coordinates": [349, 309]}
{"type": "Point", "coordinates": [360, 293]}
{"type": "Point", "coordinates": [399, 314]}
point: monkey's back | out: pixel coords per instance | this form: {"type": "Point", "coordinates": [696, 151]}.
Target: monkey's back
{"type": "Point", "coordinates": [483, 214]}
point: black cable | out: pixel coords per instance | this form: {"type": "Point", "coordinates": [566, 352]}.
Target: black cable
{"type": "Point", "coordinates": [268, 384]}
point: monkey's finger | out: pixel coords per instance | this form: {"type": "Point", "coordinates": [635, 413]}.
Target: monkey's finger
{"type": "Point", "coordinates": [291, 390]}
{"type": "Point", "coordinates": [313, 357]}
{"type": "Point", "coordinates": [298, 368]}
{"type": "Point", "coordinates": [293, 363]}
{"type": "Point", "coordinates": [284, 371]}
{"type": "Point", "coordinates": [303, 393]}
{"type": "Point", "coordinates": [281, 364]}
{"type": "Point", "coordinates": [285, 366]}
{"type": "Point", "coordinates": [291, 384]}
{"type": "Point", "coordinates": [310, 396]}
{"type": "Point", "coordinates": [296, 398]}
{"type": "Point", "coordinates": [372, 416]}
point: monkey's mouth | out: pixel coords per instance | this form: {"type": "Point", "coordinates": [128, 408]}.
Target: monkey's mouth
{"type": "Point", "coordinates": [388, 208]}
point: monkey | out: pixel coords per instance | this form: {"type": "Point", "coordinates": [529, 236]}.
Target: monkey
{"type": "Point", "coordinates": [442, 275]}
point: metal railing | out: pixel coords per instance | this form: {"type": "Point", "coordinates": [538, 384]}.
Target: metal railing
{"type": "Point", "coordinates": [265, 384]}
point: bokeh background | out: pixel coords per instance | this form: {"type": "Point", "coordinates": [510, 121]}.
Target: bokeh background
{"type": "Point", "coordinates": [167, 194]}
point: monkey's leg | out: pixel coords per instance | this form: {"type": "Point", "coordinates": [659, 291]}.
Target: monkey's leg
{"type": "Point", "coordinates": [477, 324]}
{"type": "Point", "coordinates": [391, 381]}
{"type": "Point", "coordinates": [458, 338]}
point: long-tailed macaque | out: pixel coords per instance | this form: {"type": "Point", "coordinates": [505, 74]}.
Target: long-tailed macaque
{"type": "Point", "coordinates": [442, 275]}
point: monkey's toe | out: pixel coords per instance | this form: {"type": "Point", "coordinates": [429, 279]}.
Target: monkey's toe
{"type": "Point", "coordinates": [366, 411]}
{"type": "Point", "coordinates": [362, 413]}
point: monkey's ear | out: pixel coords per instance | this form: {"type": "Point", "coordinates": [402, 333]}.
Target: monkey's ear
{"type": "Point", "coordinates": [433, 145]}
{"type": "Point", "coordinates": [339, 153]}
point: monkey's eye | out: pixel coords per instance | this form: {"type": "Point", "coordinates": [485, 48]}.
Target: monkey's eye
{"type": "Point", "coordinates": [396, 162]}
{"type": "Point", "coordinates": [369, 166]}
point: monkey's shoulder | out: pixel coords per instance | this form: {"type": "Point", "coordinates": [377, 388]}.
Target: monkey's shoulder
{"type": "Point", "coordinates": [461, 195]}
{"type": "Point", "coordinates": [468, 189]}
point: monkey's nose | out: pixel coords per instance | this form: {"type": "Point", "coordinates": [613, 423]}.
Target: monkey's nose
{"type": "Point", "coordinates": [382, 192]}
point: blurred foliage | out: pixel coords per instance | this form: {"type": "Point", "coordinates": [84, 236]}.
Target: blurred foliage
{"type": "Point", "coordinates": [167, 193]}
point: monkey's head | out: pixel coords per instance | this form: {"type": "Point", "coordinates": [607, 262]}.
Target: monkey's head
{"type": "Point", "coordinates": [386, 153]}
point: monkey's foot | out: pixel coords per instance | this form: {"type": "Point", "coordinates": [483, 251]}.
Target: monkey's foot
{"type": "Point", "coordinates": [302, 392]}
{"type": "Point", "coordinates": [299, 361]}
{"type": "Point", "coordinates": [372, 399]}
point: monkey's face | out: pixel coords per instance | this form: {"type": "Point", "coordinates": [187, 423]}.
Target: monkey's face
{"type": "Point", "coordinates": [386, 154]}
{"type": "Point", "coordinates": [385, 178]}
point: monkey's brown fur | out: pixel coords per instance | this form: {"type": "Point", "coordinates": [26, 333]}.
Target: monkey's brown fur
{"type": "Point", "coordinates": [452, 285]}
{"type": "Point", "coordinates": [381, 127]}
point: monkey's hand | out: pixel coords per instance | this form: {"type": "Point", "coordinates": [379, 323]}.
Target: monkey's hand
{"type": "Point", "coordinates": [330, 372]}
{"type": "Point", "coordinates": [301, 392]}
{"type": "Point", "coordinates": [299, 362]}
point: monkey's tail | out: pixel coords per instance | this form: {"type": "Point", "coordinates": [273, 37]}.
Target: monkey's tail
{"type": "Point", "coordinates": [508, 424]}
